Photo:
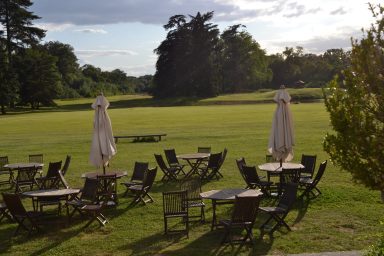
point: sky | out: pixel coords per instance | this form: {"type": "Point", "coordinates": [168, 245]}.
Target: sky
{"type": "Point", "coordinates": [122, 34]}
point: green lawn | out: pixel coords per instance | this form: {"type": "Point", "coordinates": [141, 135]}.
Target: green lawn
{"type": "Point", "coordinates": [345, 217]}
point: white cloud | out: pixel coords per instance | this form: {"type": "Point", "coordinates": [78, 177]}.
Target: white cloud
{"type": "Point", "coordinates": [99, 53]}
{"type": "Point", "coordinates": [92, 31]}
{"type": "Point", "coordinates": [54, 27]}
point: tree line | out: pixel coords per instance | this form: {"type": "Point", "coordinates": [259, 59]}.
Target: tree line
{"type": "Point", "coordinates": [197, 60]}
{"type": "Point", "coordinates": [194, 60]}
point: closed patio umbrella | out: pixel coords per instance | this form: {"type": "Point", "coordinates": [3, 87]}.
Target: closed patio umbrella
{"type": "Point", "coordinates": [281, 140]}
{"type": "Point", "coordinates": [103, 144]}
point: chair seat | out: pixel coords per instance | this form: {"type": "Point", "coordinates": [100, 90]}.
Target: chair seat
{"type": "Point", "coordinates": [3, 206]}
{"type": "Point", "coordinates": [273, 209]}
{"type": "Point", "coordinates": [181, 214]}
{"type": "Point", "coordinates": [196, 204]}
{"type": "Point", "coordinates": [91, 207]}
{"type": "Point", "coordinates": [131, 183]}
{"type": "Point", "coordinates": [306, 180]}
{"type": "Point", "coordinates": [136, 188]}
{"type": "Point", "coordinates": [78, 203]}
{"type": "Point", "coordinates": [230, 223]}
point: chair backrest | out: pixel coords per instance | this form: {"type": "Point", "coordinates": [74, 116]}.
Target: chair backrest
{"type": "Point", "coordinates": [214, 160]}
{"type": "Point", "coordinates": [223, 156]}
{"type": "Point", "coordinates": [203, 149]}
{"type": "Point", "coordinates": [66, 164]}
{"type": "Point", "coordinates": [240, 163]}
{"type": "Point", "coordinates": [170, 154]}
{"type": "Point", "coordinates": [36, 158]}
{"type": "Point", "coordinates": [245, 209]}
{"type": "Point", "coordinates": [289, 175]}
{"type": "Point", "coordinates": [193, 187]}
{"type": "Point", "coordinates": [309, 162]}
{"type": "Point", "coordinates": [26, 175]}
{"type": "Point", "coordinates": [89, 191]}
{"type": "Point", "coordinates": [161, 163]}
{"type": "Point", "coordinates": [288, 197]}
{"type": "Point", "coordinates": [3, 161]}
{"type": "Point", "coordinates": [106, 183]}
{"type": "Point", "coordinates": [14, 204]}
{"type": "Point", "coordinates": [174, 202]}
{"type": "Point", "coordinates": [138, 171]}
{"type": "Point", "coordinates": [53, 169]}
{"type": "Point", "coordinates": [63, 180]}
{"type": "Point", "coordinates": [269, 158]}
{"type": "Point", "coordinates": [250, 174]}
{"type": "Point", "coordinates": [319, 173]}
{"type": "Point", "coordinates": [149, 178]}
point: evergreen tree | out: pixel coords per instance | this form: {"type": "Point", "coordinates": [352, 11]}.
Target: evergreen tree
{"type": "Point", "coordinates": [355, 103]}
{"type": "Point", "coordinates": [17, 33]}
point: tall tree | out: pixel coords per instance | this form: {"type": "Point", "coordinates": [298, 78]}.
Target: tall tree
{"type": "Point", "coordinates": [187, 65]}
{"type": "Point", "coordinates": [17, 32]}
{"type": "Point", "coordinates": [355, 103]}
{"type": "Point", "coordinates": [39, 78]}
{"type": "Point", "coordinates": [243, 62]}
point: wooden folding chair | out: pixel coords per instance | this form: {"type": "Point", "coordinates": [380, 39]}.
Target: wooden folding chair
{"type": "Point", "coordinates": [170, 155]}
{"type": "Point", "coordinates": [137, 175]}
{"type": "Point", "coordinates": [174, 207]}
{"type": "Point", "coordinates": [88, 196]}
{"type": "Point", "coordinates": [310, 186]}
{"type": "Point", "coordinates": [281, 210]}
{"type": "Point", "coordinates": [243, 218]}
{"type": "Point", "coordinates": [4, 212]}
{"type": "Point", "coordinates": [141, 192]}
{"type": "Point", "coordinates": [169, 172]}
{"type": "Point", "coordinates": [194, 200]}
{"type": "Point", "coordinates": [25, 178]}
{"type": "Point", "coordinates": [27, 220]}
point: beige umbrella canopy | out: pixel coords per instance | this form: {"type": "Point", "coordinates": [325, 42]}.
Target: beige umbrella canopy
{"type": "Point", "coordinates": [103, 144]}
{"type": "Point", "coordinates": [282, 139]}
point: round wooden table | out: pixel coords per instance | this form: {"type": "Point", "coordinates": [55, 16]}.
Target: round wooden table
{"type": "Point", "coordinates": [66, 193]}
{"type": "Point", "coordinates": [194, 160]}
{"type": "Point", "coordinates": [226, 196]}
{"type": "Point", "coordinates": [93, 175]}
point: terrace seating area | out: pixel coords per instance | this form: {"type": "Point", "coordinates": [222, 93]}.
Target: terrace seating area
{"type": "Point", "coordinates": [263, 203]}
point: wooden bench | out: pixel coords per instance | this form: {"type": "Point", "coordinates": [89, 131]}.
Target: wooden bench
{"type": "Point", "coordinates": [139, 137]}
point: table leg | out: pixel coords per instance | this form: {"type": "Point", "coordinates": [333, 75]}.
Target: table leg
{"type": "Point", "coordinates": [213, 214]}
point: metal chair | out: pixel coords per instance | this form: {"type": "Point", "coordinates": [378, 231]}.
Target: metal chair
{"type": "Point", "coordinates": [174, 206]}
{"type": "Point", "coordinates": [243, 218]}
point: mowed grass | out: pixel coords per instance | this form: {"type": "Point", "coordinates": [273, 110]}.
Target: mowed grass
{"type": "Point", "coordinates": [345, 217]}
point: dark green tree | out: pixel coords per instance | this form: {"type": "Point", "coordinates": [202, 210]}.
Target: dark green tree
{"type": "Point", "coordinates": [17, 32]}
{"type": "Point", "coordinates": [187, 58]}
{"type": "Point", "coordinates": [39, 78]}
{"type": "Point", "coordinates": [243, 62]}
{"type": "Point", "coordinates": [355, 104]}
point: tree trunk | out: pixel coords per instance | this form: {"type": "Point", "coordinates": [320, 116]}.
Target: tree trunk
{"type": "Point", "coordinates": [382, 195]}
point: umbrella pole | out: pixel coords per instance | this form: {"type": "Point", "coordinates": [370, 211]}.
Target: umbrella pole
{"type": "Point", "coordinates": [281, 162]}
